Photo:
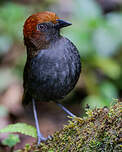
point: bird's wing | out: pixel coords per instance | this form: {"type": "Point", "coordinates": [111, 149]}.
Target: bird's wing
{"type": "Point", "coordinates": [26, 96]}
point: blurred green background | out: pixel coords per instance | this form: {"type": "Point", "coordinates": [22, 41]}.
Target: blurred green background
{"type": "Point", "coordinates": [97, 33]}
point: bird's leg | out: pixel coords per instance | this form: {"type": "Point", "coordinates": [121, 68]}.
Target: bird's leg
{"type": "Point", "coordinates": [39, 135]}
{"type": "Point", "coordinates": [66, 110]}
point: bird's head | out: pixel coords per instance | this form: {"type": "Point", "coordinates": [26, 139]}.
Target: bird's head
{"type": "Point", "coordinates": [42, 27]}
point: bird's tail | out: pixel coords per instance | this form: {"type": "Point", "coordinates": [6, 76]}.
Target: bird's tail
{"type": "Point", "coordinates": [26, 99]}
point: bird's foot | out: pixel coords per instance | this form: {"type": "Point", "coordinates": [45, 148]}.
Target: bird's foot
{"type": "Point", "coordinates": [41, 138]}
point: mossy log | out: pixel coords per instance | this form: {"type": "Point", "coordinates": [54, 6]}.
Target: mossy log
{"type": "Point", "coordinates": [98, 132]}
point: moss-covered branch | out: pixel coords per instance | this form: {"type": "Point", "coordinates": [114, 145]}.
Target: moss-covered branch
{"type": "Point", "coordinates": [98, 132]}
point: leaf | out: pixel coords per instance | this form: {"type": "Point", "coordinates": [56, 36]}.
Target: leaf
{"type": "Point", "coordinates": [11, 140]}
{"type": "Point", "coordinates": [3, 111]}
{"type": "Point", "coordinates": [109, 66]}
{"type": "Point", "coordinates": [6, 78]}
{"type": "Point", "coordinates": [5, 44]}
{"type": "Point", "coordinates": [94, 101]}
{"type": "Point", "coordinates": [115, 20]}
{"type": "Point", "coordinates": [20, 128]}
{"type": "Point", "coordinates": [87, 9]}
{"type": "Point", "coordinates": [107, 37]}
{"type": "Point", "coordinates": [108, 90]}
{"type": "Point", "coordinates": [12, 17]}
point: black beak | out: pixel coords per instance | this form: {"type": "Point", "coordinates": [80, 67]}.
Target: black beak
{"type": "Point", "coordinates": [61, 23]}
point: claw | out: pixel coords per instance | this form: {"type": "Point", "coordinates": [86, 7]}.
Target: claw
{"type": "Point", "coordinates": [49, 137]}
{"type": "Point", "coordinates": [43, 139]}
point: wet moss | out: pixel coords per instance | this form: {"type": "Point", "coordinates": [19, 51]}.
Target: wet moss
{"type": "Point", "coordinates": [98, 132]}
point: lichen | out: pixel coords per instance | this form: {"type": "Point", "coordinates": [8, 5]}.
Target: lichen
{"type": "Point", "coordinates": [98, 132]}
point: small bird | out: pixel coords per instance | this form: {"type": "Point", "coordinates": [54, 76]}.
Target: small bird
{"type": "Point", "coordinates": [53, 63]}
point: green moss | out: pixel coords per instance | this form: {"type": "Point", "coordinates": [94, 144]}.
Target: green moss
{"type": "Point", "coordinates": [98, 132]}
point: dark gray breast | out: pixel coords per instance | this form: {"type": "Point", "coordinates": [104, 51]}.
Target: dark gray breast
{"type": "Point", "coordinates": [54, 72]}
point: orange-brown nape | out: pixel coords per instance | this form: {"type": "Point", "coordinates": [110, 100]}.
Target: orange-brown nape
{"type": "Point", "coordinates": [33, 20]}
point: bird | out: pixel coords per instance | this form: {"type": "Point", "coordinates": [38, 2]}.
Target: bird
{"type": "Point", "coordinates": [53, 64]}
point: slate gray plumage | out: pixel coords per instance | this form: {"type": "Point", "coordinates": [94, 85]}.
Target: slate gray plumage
{"type": "Point", "coordinates": [53, 72]}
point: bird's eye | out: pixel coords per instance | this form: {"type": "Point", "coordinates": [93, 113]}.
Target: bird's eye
{"type": "Point", "coordinates": [40, 27]}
